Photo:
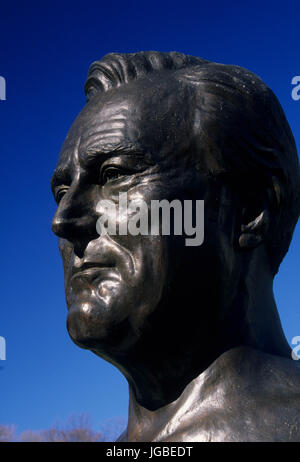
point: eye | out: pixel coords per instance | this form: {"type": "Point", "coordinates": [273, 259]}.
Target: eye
{"type": "Point", "coordinates": [90, 93]}
{"type": "Point", "coordinates": [110, 174]}
{"type": "Point", "coordinates": [61, 191]}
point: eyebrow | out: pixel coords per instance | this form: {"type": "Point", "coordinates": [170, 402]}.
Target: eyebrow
{"type": "Point", "coordinates": [61, 174]}
{"type": "Point", "coordinates": [117, 149]}
{"type": "Point", "coordinates": [93, 153]}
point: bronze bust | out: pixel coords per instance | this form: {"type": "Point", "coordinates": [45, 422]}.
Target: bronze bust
{"type": "Point", "coordinates": [194, 329]}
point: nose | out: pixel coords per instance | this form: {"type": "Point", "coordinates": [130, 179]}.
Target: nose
{"type": "Point", "coordinates": [75, 219]}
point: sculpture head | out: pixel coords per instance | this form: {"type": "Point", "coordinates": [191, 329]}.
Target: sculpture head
{"type": "Point", "coordinates": [168, 126]}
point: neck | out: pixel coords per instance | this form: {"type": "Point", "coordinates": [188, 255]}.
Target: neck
{"type": "Point", "coordinates": [167, 360]}
{"type": "Point", "coordinates": [260, 327]}
{"type": "Point", "coordinates": [196, 412]}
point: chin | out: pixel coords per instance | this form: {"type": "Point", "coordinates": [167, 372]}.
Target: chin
{"type": "Point", "coordinates": [85, 324]}
{"type": "Point", "coordinates": [100, 328]}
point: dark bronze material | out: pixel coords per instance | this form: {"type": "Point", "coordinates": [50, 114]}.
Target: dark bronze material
{"type": "Point", "coordinates": [194, 329]}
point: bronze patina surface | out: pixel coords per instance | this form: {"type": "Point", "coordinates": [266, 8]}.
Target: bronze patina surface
{"type": "Point", "coordinates": [194, 329]}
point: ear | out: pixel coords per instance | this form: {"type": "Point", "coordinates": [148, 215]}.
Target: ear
{"type": "Point", "coordinates": [259, 215]}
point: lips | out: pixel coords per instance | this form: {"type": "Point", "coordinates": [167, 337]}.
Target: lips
{"type": "Point", "coordinates": [89, 270]}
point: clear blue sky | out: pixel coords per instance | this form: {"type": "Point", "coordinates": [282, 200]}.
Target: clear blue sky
{"type": "Point", "coordinates": [45, 50]}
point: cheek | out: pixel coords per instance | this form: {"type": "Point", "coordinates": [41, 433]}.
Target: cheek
{"type": "Point", "coordinates": [65, 249]}
{"type": "Point", "coordinates": [152, 265]}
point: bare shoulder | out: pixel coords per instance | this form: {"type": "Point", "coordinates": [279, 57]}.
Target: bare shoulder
{"type": "Point", "coordinates": [274, 374]}
{"type": "Point", "coordinates": [245, 395]}
{"type": "Point", "coordinates": [263, 394]}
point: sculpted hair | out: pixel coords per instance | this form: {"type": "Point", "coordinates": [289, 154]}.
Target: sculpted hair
{"type": "Point", "coordinates": [252, 142]}
{"type": "Point", "coordinates": [116, 69]}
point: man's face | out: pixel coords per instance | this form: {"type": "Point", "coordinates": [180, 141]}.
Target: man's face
{"type": "Point", "coordinates": [120, 288]}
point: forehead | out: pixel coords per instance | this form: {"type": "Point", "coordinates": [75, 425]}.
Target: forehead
{"type": "Point", "coordinates": [143, 116]}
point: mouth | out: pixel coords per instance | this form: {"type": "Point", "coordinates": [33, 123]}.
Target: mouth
{"type": "Point", "coordinates": [91, 269]}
